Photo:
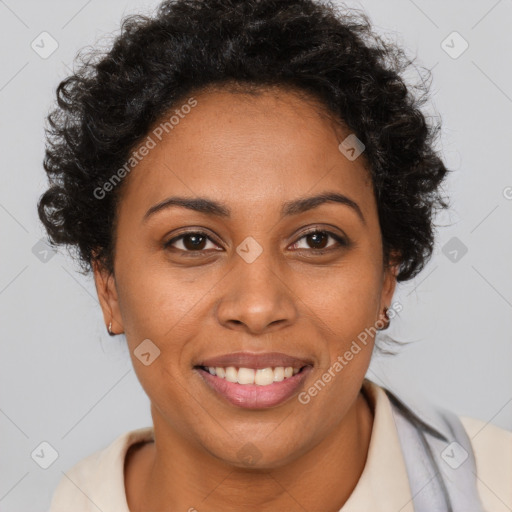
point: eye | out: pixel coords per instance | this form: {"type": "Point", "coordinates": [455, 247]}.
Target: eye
{"type": "Point", "coordinates": [193, 241]}
{"type": "Point", "coordinates": [197, 241]}
{"type": "Point", "coordinates": [319, 240]}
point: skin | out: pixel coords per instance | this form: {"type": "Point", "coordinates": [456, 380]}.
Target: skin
{"type": "Point", "coordinates": [252, 153]}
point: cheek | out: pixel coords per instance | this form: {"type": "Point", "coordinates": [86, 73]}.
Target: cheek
{"type": "Point", "coordinates": [160, 305]}
{"type": "Point", "coordinates": [154, 310]}
{"type": "Point", "coordinates": [346, 297]}
{"type": "Point", "coordinates": [153, 299]}
{"type": "Point", "coordinates": [346, 314]}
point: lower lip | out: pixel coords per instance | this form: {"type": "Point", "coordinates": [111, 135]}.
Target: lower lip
{"type": "Point", "coordinates": [252, 396]}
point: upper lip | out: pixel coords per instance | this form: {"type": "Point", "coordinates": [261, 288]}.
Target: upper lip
{"type": "Point", "coordinates": [255, 360]}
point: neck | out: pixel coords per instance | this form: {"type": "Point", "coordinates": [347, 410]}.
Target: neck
{"type": "Point", "coordinates": [171, 474]}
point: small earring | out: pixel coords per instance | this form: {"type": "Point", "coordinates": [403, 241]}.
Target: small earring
{"type": "Point", "coordinates": [387, 318]}
{"type": "Point", "coordinates": [110, 329]}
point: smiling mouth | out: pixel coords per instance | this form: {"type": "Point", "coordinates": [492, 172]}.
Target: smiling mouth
{"type": "Point", "coordinates": [254, 388]}
{"type": "Point", "coordinates": [255, 376]}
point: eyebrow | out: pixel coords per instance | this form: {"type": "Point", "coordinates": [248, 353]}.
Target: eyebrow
{"type": "Point", "coordinates": [289, 208]}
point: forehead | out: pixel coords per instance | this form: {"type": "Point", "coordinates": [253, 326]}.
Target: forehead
{"type": "Point", "coordinates": [252, 149]}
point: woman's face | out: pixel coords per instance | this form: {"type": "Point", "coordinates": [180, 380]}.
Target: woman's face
{"type": "Point", "coordinates": [253, 280]}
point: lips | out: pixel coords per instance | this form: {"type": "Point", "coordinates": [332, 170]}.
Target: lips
{"type": "Point", "coordinates": [255, 360]}
{"type": "Point", "coordinates": [257, 395]}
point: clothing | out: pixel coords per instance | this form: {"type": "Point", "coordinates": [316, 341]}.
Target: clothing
{"type": "Point", "coordinates": [97, 482]}
{"type": "Point", "coordinates": [438, 455]}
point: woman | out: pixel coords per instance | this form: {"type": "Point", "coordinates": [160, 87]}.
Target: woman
{"type": "Point", "coordinates": [248, 181]}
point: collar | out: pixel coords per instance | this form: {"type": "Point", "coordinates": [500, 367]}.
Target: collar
{"type": "Point", "coordinates": [421, 410]}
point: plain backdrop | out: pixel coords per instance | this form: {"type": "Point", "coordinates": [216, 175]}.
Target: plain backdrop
{"type": "Point", "coordinates": [65, 382]}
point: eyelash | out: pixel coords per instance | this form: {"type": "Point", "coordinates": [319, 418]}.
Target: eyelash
{"type": "Point", "coordinates": [343, 243]}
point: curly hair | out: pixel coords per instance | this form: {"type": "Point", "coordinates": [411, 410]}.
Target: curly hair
{"type": "Point", "coordinates": [328, 51]}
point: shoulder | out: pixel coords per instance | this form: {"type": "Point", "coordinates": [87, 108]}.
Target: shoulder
{"type": "Point", "coordinates": [98, 479]}
{"type": "Point", "coordinates": [492, 447]}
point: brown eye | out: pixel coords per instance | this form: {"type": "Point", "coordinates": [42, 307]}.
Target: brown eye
{"type": "Point", "coordinates": [318, 240]}
{"type": "Point", "coordinates": [190, 242]}
{"type": "Point", "coordinates": [197, 241]}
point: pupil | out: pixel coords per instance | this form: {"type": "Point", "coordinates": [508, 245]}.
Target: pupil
{"type": "Point", "coordinates": [197, 241]}
{"type": "Point", "coordinates": [316, 236]}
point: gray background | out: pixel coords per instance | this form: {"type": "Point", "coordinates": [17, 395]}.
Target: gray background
{"type": "Point", "coordinates": [66, 382]}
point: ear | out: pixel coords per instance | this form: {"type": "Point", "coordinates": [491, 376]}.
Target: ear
{"type": "Point", "coordinates": [389, 281]}
{"type": "Point", "coordinates": [107, 295]}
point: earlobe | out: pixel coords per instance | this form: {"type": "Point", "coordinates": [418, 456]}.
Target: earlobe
{"type": "Point", "coordinates": [108, 298]}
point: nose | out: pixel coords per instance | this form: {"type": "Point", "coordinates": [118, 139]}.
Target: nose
{"type": "Point", "coordinates": [255, 298]}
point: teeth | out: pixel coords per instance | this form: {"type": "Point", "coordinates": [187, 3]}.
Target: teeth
{"type": "Point", "coordinates": [231, 374]}
{"type": "Point", "coordinates": [264, 377]}
{"type": "Point", "coordinates": [246, 376]}
{"type": "Point", "coordinates": [278, 374]}
{"type": "Point", "coordinates": [260, 376]}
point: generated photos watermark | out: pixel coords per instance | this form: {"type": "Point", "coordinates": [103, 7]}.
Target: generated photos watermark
{"type": "Point", "coordinates": [144, 149]}
{"type": "Point", "coordinates": [342, 360]}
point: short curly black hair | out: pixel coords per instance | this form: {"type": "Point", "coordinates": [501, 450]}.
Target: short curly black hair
{"type": "Point", "coordinates": [326, 50]}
